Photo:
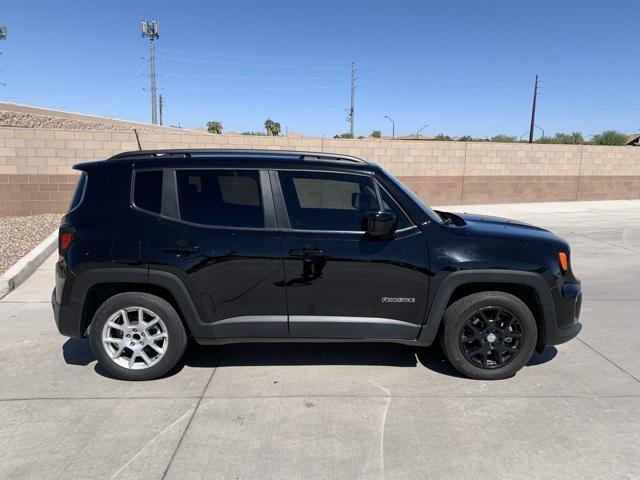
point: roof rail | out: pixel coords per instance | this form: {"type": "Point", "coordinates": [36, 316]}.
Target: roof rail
{"type": "Point", "coordinates": [188, 153]}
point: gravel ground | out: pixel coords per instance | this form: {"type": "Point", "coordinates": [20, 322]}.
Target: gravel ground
{"type": "Point", "coordinates": [21, 234]}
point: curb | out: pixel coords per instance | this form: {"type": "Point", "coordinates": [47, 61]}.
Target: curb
{"type": "Point", "coordinates": [28, 264]}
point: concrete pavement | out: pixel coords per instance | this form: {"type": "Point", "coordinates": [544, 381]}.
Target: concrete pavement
{"type": "Point", "coordinates": [341, 411]}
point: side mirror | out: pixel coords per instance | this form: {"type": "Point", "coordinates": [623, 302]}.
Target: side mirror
{"type": "Point", "coordinates": [381, 224]}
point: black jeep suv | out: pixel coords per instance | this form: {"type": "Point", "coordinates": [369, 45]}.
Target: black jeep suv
{"type": "Point", "coordinates": [273, 246]}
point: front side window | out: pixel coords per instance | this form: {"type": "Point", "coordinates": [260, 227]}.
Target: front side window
{"type": "Point", "coordinates": [327, 201]}
{"type": "Point", "coordinates": [229, 198]}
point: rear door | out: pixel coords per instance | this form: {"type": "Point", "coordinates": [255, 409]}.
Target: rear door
{"type": "Point", "coordinates": [340, 282]}
{"type": "Point", "coordinates": [220, 239]}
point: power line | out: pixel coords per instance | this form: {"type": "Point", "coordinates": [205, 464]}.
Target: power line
{"type": "Point", "coordinates": [618, 112]}
{"type": "Point", "coordinates": [440, 93]}
{"type": "Point", "coordinates": [444, 85]}
{"type": "Point", "coordinates": [271, 59]}
{"type": "Point", "coordinates": [121, 90]}
{"type": "Point", "coordinates": [329, 87]}
{"type": "Point", "coordinates": [245, 77]}
{"type": "Point", "coordinates": [595, 102]}
{"type": "Point", "coordinates": [556, 85]}
{"type": "Point", "coordinates": [246, 64]}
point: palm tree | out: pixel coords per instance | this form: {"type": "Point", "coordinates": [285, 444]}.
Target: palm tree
{"type": "Point", "coordinates": [214, 127]}
{"type": "Point", "coordinates": [273, 128]}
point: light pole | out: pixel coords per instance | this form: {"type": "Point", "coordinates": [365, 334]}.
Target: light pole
{"type": "Point", "coordinates": [393, 128]}
{"type": "Point", "coordinates": [151, 29]}
{"type": "Point", "coordinates": [3, 33]}
{"type": "Point", "coordinates": [418, 132]}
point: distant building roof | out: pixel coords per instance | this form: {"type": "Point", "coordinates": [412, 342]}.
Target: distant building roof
{"type": "Point", "coordinates": [633, 139]}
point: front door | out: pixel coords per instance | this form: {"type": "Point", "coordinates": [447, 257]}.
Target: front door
{"type": "Point", "coordinates": [225, 249]}
{"type": "Point", "coordinates": [340, 282]}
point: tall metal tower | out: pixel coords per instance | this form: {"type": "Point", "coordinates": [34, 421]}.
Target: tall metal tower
{"type": "Point", "coordinates": [533, 111]}
{"type": "Point", "coordinates": [351, 110]}
{"type": "Point", "coordinates": [151, 29]}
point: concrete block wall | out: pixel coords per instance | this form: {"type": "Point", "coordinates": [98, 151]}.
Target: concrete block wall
{"type": "Point", "coordinates": [36, 165]}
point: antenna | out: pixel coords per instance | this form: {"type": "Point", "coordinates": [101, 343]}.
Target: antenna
{"type": "Point", "coordinates": [138, 139]}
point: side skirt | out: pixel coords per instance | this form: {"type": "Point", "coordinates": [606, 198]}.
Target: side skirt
{"type": "Point", "coordinates": [231, 340]}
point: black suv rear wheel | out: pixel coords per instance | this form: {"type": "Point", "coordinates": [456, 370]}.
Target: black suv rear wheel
{"type": "Point", "coordinates": [137, 336]}
{"type": "Point", "coordinates": [488, 335]}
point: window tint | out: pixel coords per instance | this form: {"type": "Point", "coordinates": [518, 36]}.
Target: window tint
{"type": "Point", "coordinates": [389, 205]}
{"type": "Point", "coordinates": [77, 195]}
{"type": "Point", "coordinates": [147, 191]}
{"type": "Point", "coordinates": [220, 197]}
{"type": "Point", "coordinates": [327, 201]}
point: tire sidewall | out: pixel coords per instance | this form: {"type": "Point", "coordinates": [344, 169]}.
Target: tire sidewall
{"type": "Point", "coordinates": [175, 329]}
{"type": "Point", "coordinates": [457, 314]}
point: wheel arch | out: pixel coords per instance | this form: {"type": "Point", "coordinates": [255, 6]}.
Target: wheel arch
{"type": "Point", "coordinates": [529, 287]}
{"type": "Point", "coordinates": [98, 285]}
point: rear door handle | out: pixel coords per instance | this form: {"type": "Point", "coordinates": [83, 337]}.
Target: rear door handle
{"type": "Point", "coordinates": [181, 247]}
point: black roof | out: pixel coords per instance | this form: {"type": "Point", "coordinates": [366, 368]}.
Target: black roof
{"type": "Point", "coordinates": [229, 154]}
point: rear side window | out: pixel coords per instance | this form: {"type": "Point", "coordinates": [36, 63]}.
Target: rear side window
{"type": "Point", "coordinates": [79, 193]}
{"type": "Point", "coordinates": [230, 198]}
{"type": "Point", "coordinates": [147, 190]}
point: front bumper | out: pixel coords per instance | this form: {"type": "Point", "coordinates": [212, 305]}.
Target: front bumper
{"type": "Point", "coordinates": [567, 301]}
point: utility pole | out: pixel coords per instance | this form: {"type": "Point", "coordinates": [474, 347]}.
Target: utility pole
{"type": "Point", "coordinates": [151, 29]}
{"type": "Point", "coordinates": [3, 36]}
{"type": "Point", "coordinates": [353, 94]}
{"type": "Point", "coordinates": [533, 110]}
{"type": "Point", "coordinates": [161, 104]}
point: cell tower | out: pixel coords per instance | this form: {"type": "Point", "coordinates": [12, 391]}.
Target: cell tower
{"type": "Point", "coordinates": [151, 29]}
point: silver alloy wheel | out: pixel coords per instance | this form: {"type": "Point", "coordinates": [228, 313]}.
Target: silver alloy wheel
{"type": "Point", "coordinates": [135, 338]}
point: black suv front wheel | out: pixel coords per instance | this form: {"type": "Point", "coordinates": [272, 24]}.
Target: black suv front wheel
{"type": "Point", "coordinates": [488, 335]}
{"type": "Point", "coordinates": [137, 336]}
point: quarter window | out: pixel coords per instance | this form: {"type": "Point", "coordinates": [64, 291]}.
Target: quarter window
{"type": "Point", "coordinates": [327, 201]}
{"type": "Point", "coordinates": [389, 205]}
{"type": "Point", "coordinates": [147, 191]}
{"type": "Point", "coordinates": [229, 198]}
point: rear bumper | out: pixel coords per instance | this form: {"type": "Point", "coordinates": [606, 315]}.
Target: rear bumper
{"type": "Point", "coordinates": [567, 304]}
{"type": "Point", "coordinates": [67, 317]}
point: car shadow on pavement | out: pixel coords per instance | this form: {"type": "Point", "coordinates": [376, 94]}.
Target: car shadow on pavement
{"type": "Point", "coordinates": [78, 352]}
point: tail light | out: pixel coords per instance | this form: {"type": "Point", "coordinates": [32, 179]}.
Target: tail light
{"type": "Point", "coordinates": [563, 259]}
{"type": "Point", "coordinates": [66, 237]}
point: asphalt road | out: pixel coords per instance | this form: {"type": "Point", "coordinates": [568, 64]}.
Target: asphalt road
{"type": "Point", "coordinates": [341, 411]}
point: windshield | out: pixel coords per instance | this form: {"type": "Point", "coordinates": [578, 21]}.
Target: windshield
{"type": "Point", "coordinates": [428, 210]}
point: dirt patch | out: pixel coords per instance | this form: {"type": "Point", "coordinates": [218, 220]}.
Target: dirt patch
{"type": "Point", "coordinates": [21, 234]}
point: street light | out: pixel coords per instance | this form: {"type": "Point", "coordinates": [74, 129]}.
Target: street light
{"type": "Point", "coordinates": [393, 128]}
{"type": "Point", "coordinates": [3, 32]}
{"type": "Point", "coordinates": [418, 132]}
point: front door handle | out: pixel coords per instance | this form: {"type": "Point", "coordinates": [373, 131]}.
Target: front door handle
{"type": "Point", "coordinates": [181, 247]}
{"type": "Point", "coordinates": [307, 252]}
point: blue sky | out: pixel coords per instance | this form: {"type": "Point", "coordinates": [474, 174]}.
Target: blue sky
{"type": "Point", "coordinates": [463, 67]}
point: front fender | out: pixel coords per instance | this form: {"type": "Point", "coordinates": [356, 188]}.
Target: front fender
{"type": "Point", "coordinates": [456, 279]}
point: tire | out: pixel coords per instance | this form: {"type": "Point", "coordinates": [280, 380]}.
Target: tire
{"type": "Point", "coordinates": [132, 339]}
{"type": "Point", "coordinates": [488, 335]}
